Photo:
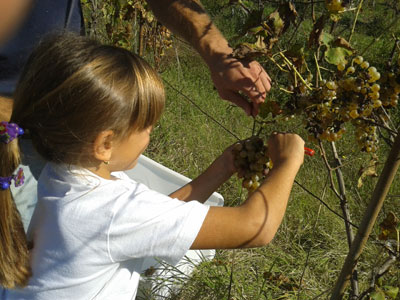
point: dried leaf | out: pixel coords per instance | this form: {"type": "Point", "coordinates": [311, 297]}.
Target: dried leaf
{"type": "Point", "coordinates": [315, 37]}
{"type": "Point", "coordinates": [288, 13]}
{"type": "Point", "coordinates": [389, 227]}
{"type": "Point", "coordinates": [247, 51]}
{"type": "Point", "coordinates": [341, 42]}
{"type": "Point", "coordinates": [369, 170]}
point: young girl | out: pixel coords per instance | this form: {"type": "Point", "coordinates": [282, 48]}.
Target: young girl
{"type": "Point", "coordinates": [90, 109]}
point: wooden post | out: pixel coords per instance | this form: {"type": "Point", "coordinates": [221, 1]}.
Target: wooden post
{"type": "Point", "coordinates": [368, 221]}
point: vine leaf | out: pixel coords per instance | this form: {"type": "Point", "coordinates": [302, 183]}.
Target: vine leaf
{"type": "Point", "coordinates": [378, 295]}
{"type": "Point", "coordinates": [249, 51]}
{"type": "Point", "coordinates": [336, 55]}
{"type": "Point", "coordinates": [391, 291]}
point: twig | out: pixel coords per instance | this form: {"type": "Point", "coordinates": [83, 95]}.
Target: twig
{"type": "Point", "coordinates": [277, 65]}
{"type": "Point", "coordinates": [355, 19]}
{"type": "Point", "coordinates": [254, 126]}
{"type": "Point", "coordinates": [346, 214]}
{"type": "Point", "coordinates": [231, 276]}
{"type": "Point", "coordinates": [289, 63]}
{"type": "Point", "coordinates": [318, 69]}
{"type": "Point", "coordinates": [377, 273]}
{"type": "Point", "coordinates": [330, 170]}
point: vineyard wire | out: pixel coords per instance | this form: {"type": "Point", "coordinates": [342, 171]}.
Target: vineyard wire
{"type": "Point", "coordinates": [187, 98]}
{"type": "Point", "coordinates": [199, 108]}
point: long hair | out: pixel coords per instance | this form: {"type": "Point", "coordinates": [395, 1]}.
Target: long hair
{"type": "Point", "coordinates": [72, 88]}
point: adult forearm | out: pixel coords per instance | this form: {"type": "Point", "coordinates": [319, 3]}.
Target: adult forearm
{"type": "Point", "coordinates": [6, 105]}
{"type": "Point", "coordinates": [12, 14]}
{"type": "Point", "coordinates": [188, 19]}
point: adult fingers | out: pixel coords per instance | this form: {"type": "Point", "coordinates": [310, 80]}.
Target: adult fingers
{"type": "Point", "coordinates": [266, 80]}
{"type": "Point", "coordinates": [238, 100]}
{"type": "Point", "coordinates": [255, 108]}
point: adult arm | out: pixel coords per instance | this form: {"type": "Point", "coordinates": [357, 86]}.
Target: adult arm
{"type": "Point", "coordinates": [6, 105]}
{"type": "Point", "coordinates": [12, 13]}
{"type": "Point", "coordinates": [188, 19]}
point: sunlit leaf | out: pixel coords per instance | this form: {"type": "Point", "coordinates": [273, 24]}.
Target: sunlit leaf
{"type": "Point", "coordinates": [377, 295]}
{"type": "Point", "coordinates": [391, 291]}
{"type": "Point", "coordinates": [337, 55]}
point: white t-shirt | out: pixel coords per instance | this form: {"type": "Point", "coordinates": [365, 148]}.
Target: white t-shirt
{"type": "Point", "coordinates": [91, 234]}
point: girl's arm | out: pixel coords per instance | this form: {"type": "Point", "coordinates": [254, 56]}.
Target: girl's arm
{"type": "Point", "coordinates": [202, 187]}
{"type": "Point", "coordinates": [256, 221]}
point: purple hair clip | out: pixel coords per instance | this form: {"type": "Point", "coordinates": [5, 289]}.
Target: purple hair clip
{"type": "Point", "coordinates": [9, 131]}
{"type": "Point", "coordinates": [18, 178]}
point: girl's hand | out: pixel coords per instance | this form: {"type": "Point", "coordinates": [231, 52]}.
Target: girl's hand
{"type": "Point", "coordinates": [286, 147]}
{"type": "Point", "coordinates": [226, 161]}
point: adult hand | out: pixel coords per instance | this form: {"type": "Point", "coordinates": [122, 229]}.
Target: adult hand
{"type": "Point", "coordinates": [232, 77]}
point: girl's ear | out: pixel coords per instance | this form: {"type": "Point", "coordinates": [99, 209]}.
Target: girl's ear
{"type": "Point", "coordinates": [102, 147]}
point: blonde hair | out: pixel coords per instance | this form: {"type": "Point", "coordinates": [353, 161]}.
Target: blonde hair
{"type": "Point", "coordinates": [73, 88]}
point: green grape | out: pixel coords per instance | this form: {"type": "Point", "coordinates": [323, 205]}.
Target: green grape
{"type": "Point", "coordinates": [341, 66]}
{"type": "Point", "coordinates": [372, 70]}
{"type": "Point", "coordinates": [358, 60]}
{"type": "Point", "coordinates": [331, 85]}
{"type": "Point", "coordinates": [375, 87]}
{"type": "Point", "coordinates": [377, 103]}
{"type": "Point", "coordinates": [350, 70]}
{"type": "Point", "coordinates": [364, 65]}
{"type": "Point", "coordinates": [374, 95]}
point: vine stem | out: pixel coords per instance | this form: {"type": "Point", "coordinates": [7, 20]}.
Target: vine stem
{"type": "Point", "coordinates": [355, 19]}
{"type": "Point", "coordinates": [378, 197]}
{"type": "Point", "coordinates": [343, 202]}
{"type": "Point", "coordinates": [289, 63]}
{"type": "Point", "coordinates": [346, 214]}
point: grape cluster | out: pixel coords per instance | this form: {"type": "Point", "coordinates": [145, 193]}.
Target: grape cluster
{"type": "Point", "coordinates": [251, 161]}
{"type": "Point", "coordinates": [357, 94]}
{"type": "Point", "coordinates": [335, 6]}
